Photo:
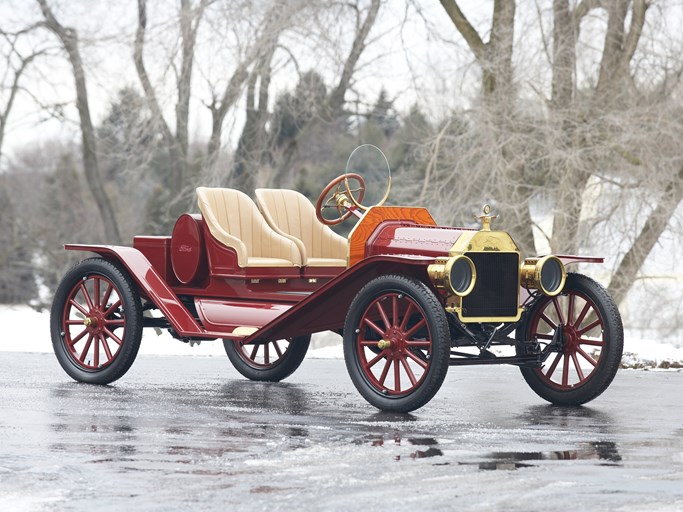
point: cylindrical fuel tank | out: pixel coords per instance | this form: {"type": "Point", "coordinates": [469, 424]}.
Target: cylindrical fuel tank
{"type": "Point", "coordinates": [188, 254]}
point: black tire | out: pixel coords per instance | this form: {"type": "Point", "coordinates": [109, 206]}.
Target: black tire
{"type": "Point", "coordinates": [80, 348]}
{"type": "Point", "coordinates": [412, 302]}
{"type": "Point", "coordinates": [244, 358]}
{"type": "Point", "coordinates": [606, 338]}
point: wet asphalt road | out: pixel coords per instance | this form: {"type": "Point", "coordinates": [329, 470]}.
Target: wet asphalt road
{"type": "Point", "coordinates": [189, 434]}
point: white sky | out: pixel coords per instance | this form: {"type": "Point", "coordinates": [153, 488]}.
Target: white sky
{"type": "Point", "coordinates": [416, 57]}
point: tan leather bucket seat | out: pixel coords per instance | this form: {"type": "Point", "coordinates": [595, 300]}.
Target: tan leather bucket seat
{"type": "Point", "coordinates": [233, 219]}
{"type": "Point", "coordinates": [292, 215]}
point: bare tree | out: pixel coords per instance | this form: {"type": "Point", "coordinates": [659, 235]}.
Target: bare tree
{"type": "Point", "coordinates": [68, 38]}
{"type": "Point", "coordinates": [16, 63]}
{"type": "Point", "coordinates": [176, 143]}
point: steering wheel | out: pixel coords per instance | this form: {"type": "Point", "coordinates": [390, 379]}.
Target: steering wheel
{"type": "Point", "coordinates": [341, 191]}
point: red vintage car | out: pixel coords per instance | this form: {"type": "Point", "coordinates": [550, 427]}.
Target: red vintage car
{"type": "Point", "coordinates": [409, 297]}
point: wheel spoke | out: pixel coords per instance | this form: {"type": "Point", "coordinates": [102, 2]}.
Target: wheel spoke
{"type": "Point", "coordinates": [86, 348]}
{"type": "Point", "coordinates": [570, 308]}
{"type": "Point", "coordinates": [397, 375]}
{"type": "Point", "coordinates": [374, 360]}
{"type": "Point", "coordinates": [254, 352]}
{"type": "Point", "coordinates": [266, 353]}
{"type": "Point", "coordinates": [113, 336]}
{"type": "Point", "coordinates": [86, 295]}
{"type": "Point", "coordinates": [96, 291]}
{"type": "Point", "coordinates": [96, 352]}
{"type": "Point", "coordinates": [406, 316]}
{"type": "Point", "coordinates": [551, 370]}
{"type": "Point", "coordinates": [384, 316]}
{"type": "Point", "coordinates": [394, 310]}
{"type": "Point", "coordinates": [587, 357]}
{"type": "Point", "coordinates": [579, 371]}
{"type": "Point", "coordinates": [409, 371]}
{"type": "Point", "coordinates": [115, 321]}
{"type": "Point", "coordinates": [277, 349]}
{"type": "Point", "coordinates": [586, 329]}
{"type": "Point", "coordinates": [106, 348]}
{"type": "Point", "coordinates": [556, 304]}
{"type": "Point", "coordinates": [74, 322]}
{"type": "Point", "coordinates": [112, 308]}
{"type": "Point", "coordinates": [592, 343]}
{"type": "Point", "coordinates": [415, 328]}
{"type": "Point", "coordinates": [548, 321]}
{"type": "Point", "coordinates": [367, 343]}
{"type": "Point", "coordinates": [419, 343]}
{"type": "Point", "coordinates": [374, 327]}
{"type": "Point", "coordinates": [78, 307]}
{"type": "Point", "coordinates": [565, 371]}
{"type": "Point", "coordinates": [385, 372]}
{"type": "Point", "coordinates": [419, 361]}
{"type": "Point", "coordinates": [582, 315]}
{"type": "Point", "coordinates": [107, 294]}
{"type": "Point", "coordinates": [77, 338]}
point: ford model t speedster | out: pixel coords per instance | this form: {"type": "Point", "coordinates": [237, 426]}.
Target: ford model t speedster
{"type": "Point", "coordinates": [410, 298]}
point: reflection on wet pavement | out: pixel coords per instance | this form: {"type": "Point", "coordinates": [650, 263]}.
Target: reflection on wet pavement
{"type": "Point", "coordinates": [181, 440]}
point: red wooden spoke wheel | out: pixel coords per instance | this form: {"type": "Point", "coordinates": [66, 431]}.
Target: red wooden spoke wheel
{"type": "Point", "coordinates": [93, 322]}
{"type": "Point", "coordinates": [267, 360]}
{"type": "Point", "coordinates": [591, 342]}
{"type": "Point", "coordinates": [396, 343]}
{"type": "Point", "coordinates": [400, 324]}
{"type": "Point", "coordinates": [96, 322]}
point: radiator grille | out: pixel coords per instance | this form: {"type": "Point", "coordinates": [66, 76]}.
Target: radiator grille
{"type": "Point", "coordinates": [496, 290]}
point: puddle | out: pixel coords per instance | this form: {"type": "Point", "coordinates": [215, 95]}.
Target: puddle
{"type": "Point", "coordinates": [599, 450]}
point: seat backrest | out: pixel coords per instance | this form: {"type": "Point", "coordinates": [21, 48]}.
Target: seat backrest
{"type": "Point", "coordinates": [291, 214]}
{"type": "Point", "coordinates": [233, 219]}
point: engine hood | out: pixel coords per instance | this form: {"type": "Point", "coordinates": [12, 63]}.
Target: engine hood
{"type": "Point", "coordinates": [401, 239]}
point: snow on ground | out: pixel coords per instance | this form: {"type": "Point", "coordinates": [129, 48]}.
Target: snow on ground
{"type": "Point", "coordinates": [23, 329]}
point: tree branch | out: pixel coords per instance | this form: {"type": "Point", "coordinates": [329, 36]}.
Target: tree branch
{"type": "Point", "coordinates": [468, 32]}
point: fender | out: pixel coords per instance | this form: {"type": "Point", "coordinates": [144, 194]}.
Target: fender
{"type": "Point", "coordinates": [569, 260]}
{"type": "Point", "coordinates": [154, 287]}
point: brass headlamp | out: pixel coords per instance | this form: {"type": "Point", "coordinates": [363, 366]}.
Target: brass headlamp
{"type": "Point", "coordinates": [546, 274]}
{"type": "Point", "coordinates": [456, 274]}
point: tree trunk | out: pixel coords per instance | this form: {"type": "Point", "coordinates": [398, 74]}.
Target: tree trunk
{"type": "Point", "coordinates": [654, 226]}
{"type": "Point", "coordinates": [69, 40]}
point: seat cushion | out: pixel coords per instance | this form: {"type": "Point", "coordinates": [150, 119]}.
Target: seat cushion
{"type": "Point", "coordinates": [257, 261]}
{"type": "Point", "coordinates": [234, 220]}
{"type": "Point", "coordinates": [292, 215]}
{"type": "Point", "coordinates": [325, 262]}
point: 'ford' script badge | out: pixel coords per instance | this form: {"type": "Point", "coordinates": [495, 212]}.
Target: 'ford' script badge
{"type": "Point", "coordinates": [185, 248]}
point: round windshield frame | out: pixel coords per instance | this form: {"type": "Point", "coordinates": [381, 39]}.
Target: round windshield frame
{"type": "Point", "coordinates": [356, 203]}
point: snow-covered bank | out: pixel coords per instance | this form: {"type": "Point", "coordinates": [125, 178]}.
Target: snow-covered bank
{"type": "Point", "coordinates": [24, 330]}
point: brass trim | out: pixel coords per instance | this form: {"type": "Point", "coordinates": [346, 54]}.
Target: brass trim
{"type": "Point", "coordinates": [281, 281]}
{"type": "Point", "coordinates": [530, 274]}
{"type": "Point", "coordinates": [440, 274]}
{"type": "Point", "coordinates": [383, 344]}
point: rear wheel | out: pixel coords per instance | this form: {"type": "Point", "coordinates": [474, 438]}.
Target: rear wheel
{"type": "Point", "coordinates": [268, 360]}
{"type": "Point", "coordinates": [396, 343]}
{"type": "Point", "coordinates": [587, 321]}
{"type": "Point", "coordinates": [96, 322]}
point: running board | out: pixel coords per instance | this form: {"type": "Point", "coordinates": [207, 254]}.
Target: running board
{"type": "Point", "coordinates": [527, 361]}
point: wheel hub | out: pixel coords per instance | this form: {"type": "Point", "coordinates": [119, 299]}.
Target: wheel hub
{"type": "Point", "coordinates": [394, 342]}
{"type": "Point", "coordinates": [570, 339]}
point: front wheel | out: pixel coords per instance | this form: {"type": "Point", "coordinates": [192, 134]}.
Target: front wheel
{"type": "Point", "coordinates": [96, 322]}
{"type": "Point", "coordinates": [396, 343]}
{"type": "Point", "coordinates": [269, 361]}
{"type": "Point", "coordinates": [587, 322]}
